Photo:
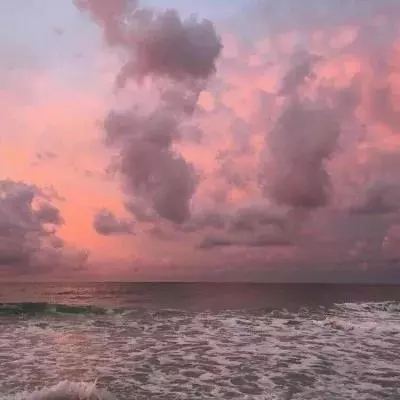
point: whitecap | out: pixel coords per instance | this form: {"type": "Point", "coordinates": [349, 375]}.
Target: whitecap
{"type": "Point", "coordinates": [66, 390]}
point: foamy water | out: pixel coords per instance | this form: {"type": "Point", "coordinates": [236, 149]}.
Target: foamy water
{"type": "Point", "coordinates": [349, 351]}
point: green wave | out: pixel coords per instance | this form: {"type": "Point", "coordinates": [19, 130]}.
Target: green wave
{"type": "Point", "coordinates": [32, 308]}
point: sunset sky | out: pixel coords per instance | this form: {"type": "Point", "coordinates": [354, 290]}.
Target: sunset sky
{"type": "Point", "coordinates": [139, 143]}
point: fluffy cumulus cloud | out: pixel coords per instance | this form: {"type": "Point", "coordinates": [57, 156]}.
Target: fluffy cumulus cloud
{"type": "Point", "coordinates": [28, 231]}
{"type": "Point", "coordinates": [160, 45]}
{"type": "Point", "coordinates": [106, 223]}
{"type": "Point", "coordinates": [269, 139]}
{"type": "Point", "coordinates": [279, 138]}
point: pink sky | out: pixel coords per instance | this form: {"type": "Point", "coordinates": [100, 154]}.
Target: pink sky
{"type": "Point", "coordinates": [294, 144]}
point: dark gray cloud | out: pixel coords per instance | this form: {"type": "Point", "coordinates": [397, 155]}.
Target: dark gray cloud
{"type": "Point", "coordinates": [106, 223]}
{"type": "Point", "coordinates": [379, 198]}
{"type": "Point", "coordinates": [28, 231]}
{"type": "Point", "coordinates": [47, 213]}
{"type": "Point", "coordinates": [211, 242]}
{"type": "Point", "coordinates": [256, 217]}
{"type": "Point", "coordinates": [162, 177]}
{"type": "Point", "coordinates": [214, 219]}
{"type": "Point", "coordinates": [162, 45]}
{"type": "Point", "coordinates": [141, 211]}
{"type": "Point", "coordinates": [165, 45]}
{"type": "Point", "coordinates": [307, 134]}
{"type": "Point", "coordinates": [295, 173]}
{"type": "Point", "coordinates": [379, 192]}
{"type": "Point", "coordinates": [340, 236]}
{"type": "Point", "coordinates": [158, 43]}
{"type": "Point", "coordinates": [376, 184]}
{"type": "Point", "coordinates": [247, 218]}
{"type": "Point", "coordinates": [317, 124]}
{"type": "Point", "coordinates": [303, 139]}
{"type": "Point", "coordinates": [251, 225]}
{"type": "Point", "coordinates": [45, 156]}
{"type": "Point", "coordinates": [301, 70]}
{"type": "Point", "coordinates": [149, 167]}
{"type": "Point", "coordinates": [383, 107]}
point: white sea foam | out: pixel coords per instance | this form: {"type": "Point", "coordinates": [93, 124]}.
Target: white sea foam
{"type": "Point", "coordinates": [350, 351]}
{"type": "Point", "coordinates": [66, 390]}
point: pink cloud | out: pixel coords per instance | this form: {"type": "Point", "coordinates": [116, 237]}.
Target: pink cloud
{"type": "Point", "coordinates": [237, 143]}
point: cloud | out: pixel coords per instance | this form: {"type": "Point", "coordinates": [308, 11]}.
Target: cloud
{"type": "Point", "coordinates": [210, 242]}
{"type": "Point", "coordinates": [158, 43]}
{"type": "Point", "coordinates": [164, 45]}
{"type": "Point", "coordinates": [379, 198]}
{"type": "Point", "coordinates": [45, 156]}
{"type": "Point", "coordinates": [141, 211]}
{"type": "Point", "coordinates": [149, 167]}
{"type": "Point", "coordinates": [301, 116]}
{"type": "Point", "coordinates": [47, 213]}
{"type": "Point", "coordinates": [300, 71]}
{"type": "Point", "coordinates": [257, 224]}
{"type": "Point", "coordinates": [384, 108]}
{"type": "Point", "coordinates": [322, 144]}
{"type": "Point", "coordinates": [303, 138]}
{"type": "Point", "coordinates": [106, 223]}
{"type": "Point", "coordinates": [161, 45]}
{"type": "Point", "coordinates": [28, 231]}
{"type": "Point", "coordinates": [108, 15]}
{"type": "Point", "coordinates": [291, 15]}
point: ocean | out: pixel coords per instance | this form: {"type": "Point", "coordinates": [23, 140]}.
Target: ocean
{"type": "Point", "coordinates": [199, 341]}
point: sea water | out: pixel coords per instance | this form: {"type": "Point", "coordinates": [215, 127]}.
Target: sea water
{"type": "Point", "coordinates": [199, 341]}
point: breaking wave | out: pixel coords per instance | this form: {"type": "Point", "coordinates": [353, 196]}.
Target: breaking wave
{"type": "Point", "coordinates": [385, 306]}
{"type": "Point", "coordinates": [66, 390]}
{"type": "Point", "coordinates": [173, 354]}
{"type": "Point", "coordinates": [33, 308]}
{"type": "Point", "coordinates": [39, 308]}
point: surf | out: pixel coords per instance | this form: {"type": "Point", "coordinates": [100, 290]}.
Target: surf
{"type": "Point", "coordinates": [66, 390]}
{"type": "Point", "coordinates": [34, 308]}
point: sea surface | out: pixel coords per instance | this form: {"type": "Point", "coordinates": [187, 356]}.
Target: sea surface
{"type": "Point", "coordinates": [199, 341]}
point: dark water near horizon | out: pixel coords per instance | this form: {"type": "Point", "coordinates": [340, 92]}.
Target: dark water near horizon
{"type": "Point", "coordinates": [199, 341]}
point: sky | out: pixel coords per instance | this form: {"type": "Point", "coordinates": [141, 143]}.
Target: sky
{"type": "Point", "coordinates": [227, 140]}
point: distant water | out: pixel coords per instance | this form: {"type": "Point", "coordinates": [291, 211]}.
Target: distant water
{"type": "Point", "coordinates": [199, 341]}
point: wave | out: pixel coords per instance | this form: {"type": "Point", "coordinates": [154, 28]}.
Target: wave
{"type": "Point", "coordinates": [40, 308]}
{"type": "Point", "coordinates": [384, 306]}
{"type": "Point", "coordinates": [32, 308]}
{"type": "Point", "coordinates": [66, 390]}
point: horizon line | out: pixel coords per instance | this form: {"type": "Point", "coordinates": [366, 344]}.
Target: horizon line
{"type": "Point", "coordinates": [365, 283]}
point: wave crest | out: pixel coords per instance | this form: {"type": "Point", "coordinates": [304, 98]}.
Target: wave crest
{"type": "Point", "coordinates": [383, 306]}
{"type": "Point", "coordinates": [30, 308]}
{"type": "Point", "coordinates": [67, 390]}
